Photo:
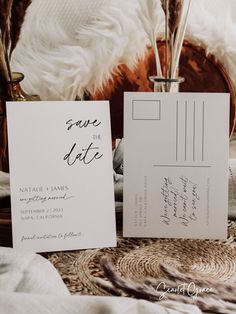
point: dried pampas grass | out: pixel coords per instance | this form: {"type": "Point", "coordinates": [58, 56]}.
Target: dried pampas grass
{"type": "Point", "coordinates": [176, 16]}
{"type": "Point", "coordinates": [4, 75]}
{"type": "Point", "coordinates": [18, 12]}
{"type": "Point", "coordinates": [5, 17]}
{"type": "Point", "coordinates": [219, 298]}
{"type": "Point", "coordinates": [12, 13]}
{"type": "Point", "coordinates": [180, 33]}
{"type": "Point", "coordinates": [148, 16]}
{"type": "Point", "coordinates": [5, 14]}
{"type": "Point", "coordinates": [174, 9]}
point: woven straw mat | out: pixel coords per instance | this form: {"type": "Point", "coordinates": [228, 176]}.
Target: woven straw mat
{"type": "Point", "coordinates": [139, 259]}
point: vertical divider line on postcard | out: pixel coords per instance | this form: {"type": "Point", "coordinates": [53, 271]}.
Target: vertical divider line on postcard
{"type": "Point", "coordinates": [186, 126]}
{"type": "Point", "coordinates": [194, 128]}
{"type": "Point", "coordinates": [177, 127]}
{"type": "Point", "coordinates": [203, 129]}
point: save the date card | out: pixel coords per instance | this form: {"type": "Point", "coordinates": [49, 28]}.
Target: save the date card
{"type": "Point", "coordinates": [176, 165]}
{"type": "Point", "coordinates": [62, 193]}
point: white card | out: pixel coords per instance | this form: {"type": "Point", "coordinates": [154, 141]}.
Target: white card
{"type": "Point", "coordinates": [61, 174]}
{"type": "Point", "coordinates": [176, 165]}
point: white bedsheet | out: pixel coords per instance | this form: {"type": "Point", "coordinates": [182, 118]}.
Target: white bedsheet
{"type": "Point", "coordinates": [29, 284]}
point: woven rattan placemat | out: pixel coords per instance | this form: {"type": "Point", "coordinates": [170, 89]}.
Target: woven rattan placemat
{"type": "Point", "coordinates": [139, 259]}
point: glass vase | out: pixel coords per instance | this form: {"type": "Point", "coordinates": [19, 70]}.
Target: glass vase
{"type": "Point", "coordinates": [161, 84]}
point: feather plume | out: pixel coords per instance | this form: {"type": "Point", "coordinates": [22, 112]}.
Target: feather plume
{"type": "Point", "coordinates": [18, 11]}
{"type": "Point", "coordinates": [94, 52]}
{"type": "Point", "coordinates": [149, 18]}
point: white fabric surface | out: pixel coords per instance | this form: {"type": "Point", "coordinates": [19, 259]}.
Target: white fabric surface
{"type": "Point", "coordinates": [15, 303]}
{"type": "Point", "coordinates": [28, 272]}
{"type": "Point", "coordinates": [30, 284]}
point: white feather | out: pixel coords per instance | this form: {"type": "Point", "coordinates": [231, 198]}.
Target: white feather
{"type": "Point", "coordinates": [215, 33]}
{"type": "Point", "coordinates": [60, 61]}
